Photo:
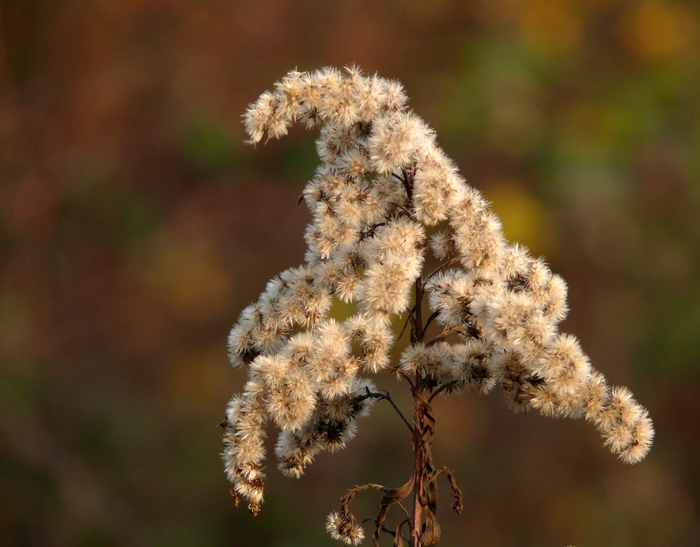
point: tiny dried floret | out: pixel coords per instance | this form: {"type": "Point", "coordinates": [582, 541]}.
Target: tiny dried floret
{"type": "Point", "coordinates": [344, 528]}
{"type": "Point", "coordinates": [396, 140]}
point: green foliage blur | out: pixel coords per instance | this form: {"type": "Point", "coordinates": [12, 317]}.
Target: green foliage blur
{"type": "Point", "coordinates": [135, 225]}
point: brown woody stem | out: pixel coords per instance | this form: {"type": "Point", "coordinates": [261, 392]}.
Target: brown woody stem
{"type": "Point", "coordinates": [418, 454]}
{"type": "Point", "coordinates": [418, 470]}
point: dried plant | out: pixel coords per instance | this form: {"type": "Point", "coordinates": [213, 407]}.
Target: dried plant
{"type": "Point", "coordinates": [382, 185]}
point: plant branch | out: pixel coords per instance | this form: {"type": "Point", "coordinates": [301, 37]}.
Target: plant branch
{"type": "Point", "coordinates": [397, 370]}
{"type": "Point", "coordinates": [386, 396]}
{"type": "Point", "coordinates": [407, 183]}
{"type": "Point", "coordinates": [441, 267]}
{"type": "Point", "coordinates": [409, 318]}
{"type": "Point", "coordinates": [444, 334]}
{"type": "Point", "coordinates": [430, 319]}
{"type": "Point", "coordinates": [441, 389]}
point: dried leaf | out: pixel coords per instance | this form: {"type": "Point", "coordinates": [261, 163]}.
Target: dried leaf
{"type": "Point", "coordinates": [456, 492]}
{"type": "Point", "coordinates": [431, 530]}
{"type": "Point", "coordinates": [392, 496]}
{"type": "Point", "coordinates": [398, 538]}
{"type": "Point", "coordinates": [396, 495]}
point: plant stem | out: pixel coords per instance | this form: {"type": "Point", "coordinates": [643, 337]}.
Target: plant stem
{"type": "Point", "coordinates": [418, 455]}
{"type": "Point", "coordinates": [386, 396]}
{"type": "Point", "coordinates": [418, 470]}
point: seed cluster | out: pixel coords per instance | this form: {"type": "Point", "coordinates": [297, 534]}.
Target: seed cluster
{"type": "Point", "coordinates": [382, 186]}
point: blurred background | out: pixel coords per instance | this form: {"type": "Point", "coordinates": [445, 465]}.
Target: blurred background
{"type": "Point", "coordinates": [135, 225]}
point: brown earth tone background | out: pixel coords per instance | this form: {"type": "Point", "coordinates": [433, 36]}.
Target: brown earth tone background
{"type": "Point", "coordinates": [135, 225]}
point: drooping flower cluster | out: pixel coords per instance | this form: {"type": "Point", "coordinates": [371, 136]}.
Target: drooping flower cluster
{"type": "Point", "coordinates": [381, 183]}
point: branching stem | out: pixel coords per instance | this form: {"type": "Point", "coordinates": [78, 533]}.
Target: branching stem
{"type": "Point", "coordinates": [418, 449]}
{"type": "Point", "coordinates": [444, 334]}
{"type": "Point", "coordinates": [441, 267]}
{"type": "Point", "coordinates": [386, 396]}
{"type": "Point", "coordinates": [430, 319]}
{"type": "Point", "coordinates": [418, 471]}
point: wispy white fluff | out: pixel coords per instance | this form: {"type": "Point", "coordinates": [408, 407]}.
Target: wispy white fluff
{"type": "Point", "coordinates": [383, 180]}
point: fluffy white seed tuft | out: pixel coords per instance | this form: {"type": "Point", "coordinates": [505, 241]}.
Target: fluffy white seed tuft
{"type": "Point", "coordinates": [382, 188]}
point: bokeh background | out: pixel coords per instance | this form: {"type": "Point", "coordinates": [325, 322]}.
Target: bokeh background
{"type": "Point", "coordinates": [135, 225]}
